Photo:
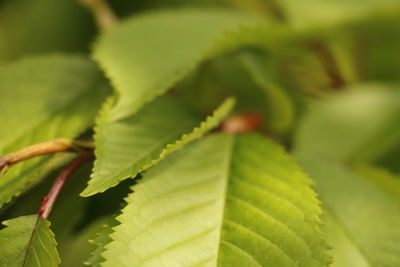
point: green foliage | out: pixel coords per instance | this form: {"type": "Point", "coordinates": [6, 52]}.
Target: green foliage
{"type": "Point", "coordinates": [359, 125]}
{"type": "Point", "coordinates": [314, 13]}
{"type": "Point", "coordinates": [315, 81]}
{"type": "Point", "coordinates": [364, 212]}
{"type": "Point", "coordinates": [136, 146]}
{"type": "Point", "coordinates": [380, 177]}
{"type": "Point", "coordinates": [25, 27]}
{"type": "Point", "coordinates": [279, 104]}
{"type": "Point", "coordinates": [102, 239]}
{"type": "Point", "coordinates": [28, 241]}
{"type": "Point", "coordinates": [44, 98]}
{"type": "Point", "coordinates": [137, 65]}
{"type": "Point", "coordinates": [224, 201]}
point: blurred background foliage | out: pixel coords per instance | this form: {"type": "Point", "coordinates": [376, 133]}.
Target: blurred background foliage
{"type": "Point", "coordinates": [333, 87]}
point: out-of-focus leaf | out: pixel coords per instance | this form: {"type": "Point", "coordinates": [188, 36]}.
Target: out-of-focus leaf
{"type": "Point", "coordinates": [362, 216]}
{"type": "Point", "coordinates": [40, 26]}
{"type": "Point", "coordinates": [382, 178]}
{"type": "Point", "coordinates": [359, 125]}
{"type": "Point", "coordinates": [303, 14]}
{"type": "Point", "coordinates": [278, 102]}
{"type": "Point", "coordinates": [146, 55]}
{"type": "Point", "coordinates": [44, 98]}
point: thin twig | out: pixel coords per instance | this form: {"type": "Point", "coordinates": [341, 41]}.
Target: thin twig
{"type": "Point", "coordinates": [104, 15]}
{"type": "Point", "coordinates": [49, 147]}
{"type": "Point", "coordinates": [49, 200]}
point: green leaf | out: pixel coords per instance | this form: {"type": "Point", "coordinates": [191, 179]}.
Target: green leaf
{"type": "Point", "coordinates": [366, 215]}
{"type": "Point", "coordinates": [359, 125]}
{"type": "Point", "coordinates": [102, 239]}
{"type": "Point", "coordinates": [33, 27]}
{"type": "Point", "coordinates": [44, 98]}
{"type": "Point", "coordinates": [382, 178]}
{"type": "Point", "coordinates": [210, 122]}
{"type": "Point", "coordinates": [126, 147]}
{"type": "Point", "coordinates": [302, 14]}
{"type": "Point", "coordinates": [278, 101]}
{"type": "Point", "coordinates": [345, 253]}
{"type": "Point", "coordinates": [223, 201]}
{"type": "Point", "coordinates": [28, 241]}
{"type": "Point", "coordinates": [76, 251]}
{"type": "Point", "coordinates": [147, 54]}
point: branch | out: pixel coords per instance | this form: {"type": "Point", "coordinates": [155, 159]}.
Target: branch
{"type": "Point", "coordinates": [49, 147]}
{"type": "Point", "coordinates": [104, 15]}
{"type": "Point", "coordinates": [49, 200]}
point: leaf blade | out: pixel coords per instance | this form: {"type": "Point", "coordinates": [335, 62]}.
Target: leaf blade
{"type": "Point", "coordinates": [188, 220]}
{"type": "Point", "coordinates": [28, 241]}
{"type": "Point", "coordinates": [364, 212]}
{"type": "Point", "coordinates": [151, 70]}
{"type": "Point", "coordinates": [117, 159]}
{"type": "Point", "coordinates": [63, 97]}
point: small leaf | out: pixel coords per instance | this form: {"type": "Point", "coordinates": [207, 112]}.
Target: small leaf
{"type": "Point", "coordinates": [127, 147]}
{"type": "Point", "coordinates": [28, 241]}
{"type": "Point", "coordinates": [365, 214]}
{"type": "Point", "coordinates": [222, 201]}
{"type": "Point", "coordinates": [44, 98]}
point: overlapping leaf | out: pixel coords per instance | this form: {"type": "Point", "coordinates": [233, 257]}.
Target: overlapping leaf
{"type": "Point", "coordinates": [102, 239]}
{"type": "Point", "coordinates": [146, 55]}
{"type": "Point", "coordinates": [126, 147]}
{"type": "Point", "coordinates": [223, 201]}
{"type": "Point", "coordinates": [362, 216]}
{"type": "Point", "coordinates": [28, 241]}
{"type": "Point", "coordinates": [33, 26]}
{"type": "Point", "coordinates": [43, 98]}
{"type": "Point", "coordinates": [314, 14]}
{"type": "Point", "coordinates": [278, 101]}
{"type": "Point", "coordinates": [356, 126]}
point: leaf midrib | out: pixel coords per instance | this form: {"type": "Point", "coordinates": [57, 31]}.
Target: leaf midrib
{"type": "Point", "coordinates": [26, 251]}
{"type": "Point", "coordinates": [346, 232]}
{"type": "Point", "coordinates": [228, 168]}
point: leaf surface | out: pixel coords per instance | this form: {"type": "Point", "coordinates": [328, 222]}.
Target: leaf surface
{"type": "Point", "coordinates": [303, 14]}
{"type": "Point", "coordinates": [360, 125]}
{"type": "Point", "coordinates": [222, 201]}
{"type": "Point", "coordinates": [28, 241]}
{"type": "Point", "coordinates": [146, 55]}
{"type": "Point", "coordinates": [126, 147]}
{"type": "Point", "coordinates": [44, 98]}
{"type": "Point", "coordinates": [364, 213]}
{"type": "Point", "coordinates": [102, 239]}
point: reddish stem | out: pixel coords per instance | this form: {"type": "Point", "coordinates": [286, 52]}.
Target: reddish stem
{"type": "Point", "coordinates": [49, 200]}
